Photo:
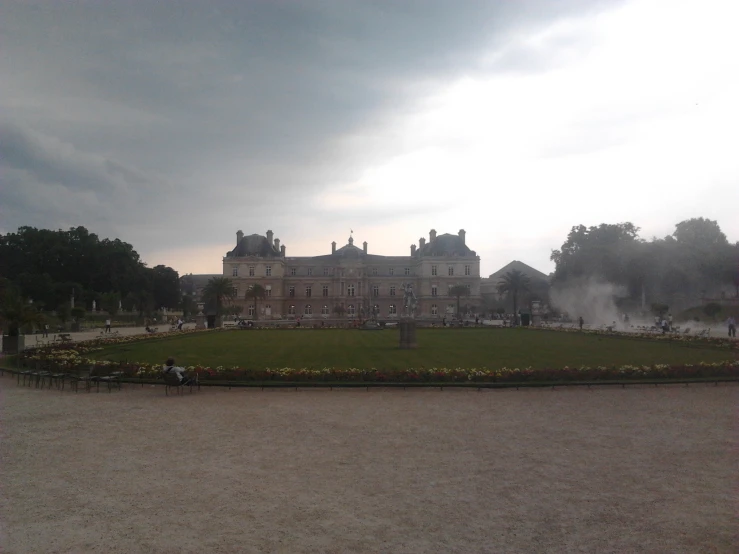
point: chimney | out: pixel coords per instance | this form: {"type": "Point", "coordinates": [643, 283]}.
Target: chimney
{"type": "Point", "coordinates": [432, 235]}
{"type": "Point", "coordinates": [269, 237]}
{"type": "Point", "coordinates": [277, 244]}
{"type": "Point", "coordinates": [462, 234]}
{"type": "Point", "coordinates": [364, 246]}
{"type": "Point", "coordinates": [239, 236]}
{"type": "Point", "coordinates": [421, 242]}
{"type": "Point", "coordinates": [282, 250]}
{"type": "Point", "coordinates": [413, 249]}
{"type": "Point", "coordinates": [333, 247]}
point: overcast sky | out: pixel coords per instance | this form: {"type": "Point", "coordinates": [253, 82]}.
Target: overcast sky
{"type": "Point", "coordinates": [171, 125]}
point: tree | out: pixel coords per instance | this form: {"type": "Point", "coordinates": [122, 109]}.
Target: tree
{"type": "Point", "coordinates": [233, 309]}
{"type": "Point", "coordinates": [110, 302]}
{"type": "Point", "coordinates": [63, 312]}
{"type": "Point", "coordinates": [78, 313]}
{"type": "Point", "coordinates": [339, 310]}
{"type": "Point", "coordinates": [256, 292]}
{"type": "Point", "coordinates": [700, 233]}
{"type": "Point", "coordinates": [459, 291]}
{"type": "Point", "coordinates": [601, 251]}
{"type": "Point", "coordinates": [165, 283]}
{"type": "Point", "coordinates": [142, 300]}
{"type": "Point", "coordinates": [47, 265]}
{"type": "Point", "coordinates": [712, 309]}
{"type": "Point", "coordinates": [512, 284]}
{"type": "Point", "coordinates": [660, 309]}
{"type": "Point", "coordinates": [220, 291]}
{"type": "Point", "coordinates": [188, 305]}
{"type": "Point", "coordinates": [16, 312]}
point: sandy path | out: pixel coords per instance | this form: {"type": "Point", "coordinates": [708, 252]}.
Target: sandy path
{"type": "Point", "coordinates": [38, 338]}
{"type": "Point", "coordinates": [606, 470]}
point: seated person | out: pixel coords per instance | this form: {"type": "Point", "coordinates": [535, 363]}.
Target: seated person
{"type": "Point", "coordinates": [169, 367]}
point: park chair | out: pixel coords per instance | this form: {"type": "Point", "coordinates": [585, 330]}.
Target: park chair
{"type": "Point", "coordinates": [25, 375]}
{"type": "Point", "coordinates": [34, 376]}
{"type": "Point", "coordinates": [111, 380]}
{"type": "Point", "coordinates": [86, 377]}
{"type": "Point", "coordinates": [95, 376]}
{"type": "Point", "coordinates": [57, 377]}
{"type": "Point", "coordinates": [22, 374]}
{"type": "Point", "coordinates": [172, 381]}
{"type": "Point", "coordinates": [44, 375]}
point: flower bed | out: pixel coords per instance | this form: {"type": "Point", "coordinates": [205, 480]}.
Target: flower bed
{"type": "Point", "coordinates": [720, 342]}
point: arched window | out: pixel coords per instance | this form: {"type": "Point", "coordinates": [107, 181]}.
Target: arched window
{"type": "Point", "coordinates": [434, 309]}
{"type": "Point", "coordinates": [250, 310]}
{"type": "Point", "coordinates": [392, 310]}
{"type": "Point", "coordinates": [291, 309]}
{"type": "Point", "coordinates": [350, 310]}
{"type": "Point", "coordinates": [308, 310]}
{"type": "Point", "coordinates": [324, 310]}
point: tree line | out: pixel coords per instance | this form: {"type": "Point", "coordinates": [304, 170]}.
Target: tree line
{"type": "Point", "coordinates": [694, 263]}
{"type": "Point", "coordinates": [49, 268]}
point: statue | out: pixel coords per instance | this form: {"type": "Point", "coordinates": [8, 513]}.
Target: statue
{"type": "Point", "coordinates": [409, 300]}
{"type": "Point", "coordinates": [93, 305]}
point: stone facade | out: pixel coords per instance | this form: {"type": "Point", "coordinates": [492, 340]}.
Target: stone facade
{"type": "Point", "coordinates": [352, 278]}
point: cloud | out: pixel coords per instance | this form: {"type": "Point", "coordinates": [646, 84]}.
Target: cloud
{"type": "Point", "coordinates": [172, 125]}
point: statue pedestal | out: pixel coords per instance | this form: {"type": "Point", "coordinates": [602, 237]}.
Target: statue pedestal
{"type": "Point", "coordinates": [407, 333]}
{"type": "Point", "coordinates": [535, 313]}
{"type": "Point", "coordinates": [199, 322]}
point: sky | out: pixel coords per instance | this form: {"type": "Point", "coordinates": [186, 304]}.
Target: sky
{"type": "Point", "coordinates": [171, 125]}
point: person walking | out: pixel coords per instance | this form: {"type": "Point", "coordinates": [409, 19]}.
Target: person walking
{"type": "Point", "coordinates": [107, 325]}
{"type": "Point", "coordinates": [731, 322]}
{"type": "Point", "coordinates": [581, 321]}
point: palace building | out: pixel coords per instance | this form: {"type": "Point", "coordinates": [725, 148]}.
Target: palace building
{"type": "Point", "coordinates": [351, 282]}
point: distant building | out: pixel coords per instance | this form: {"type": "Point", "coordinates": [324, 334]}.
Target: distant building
{"type": "Point", "coordinates": [193, 285]}
{"type": "Point", "coordinates": [539, 282]}
{"type": "Point", "coordinates": [351, 278]}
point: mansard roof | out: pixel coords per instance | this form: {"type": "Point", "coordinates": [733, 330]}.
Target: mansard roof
{"type": "Point", "coordinates": [254, 245]}
{"type": "Point", "coordinates": [446, 245]}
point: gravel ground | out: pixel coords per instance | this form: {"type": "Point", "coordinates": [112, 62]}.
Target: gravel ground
{"type": "Point", "coordinates": [38, 338]}
{"type": "Point", "coordinates": [640, 469]}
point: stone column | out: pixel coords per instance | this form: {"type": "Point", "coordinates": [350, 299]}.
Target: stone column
{"type": "Point", "coordinates": [407, 327]}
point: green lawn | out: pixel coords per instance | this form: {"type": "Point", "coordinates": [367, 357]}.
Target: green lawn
{"type": "Point", "coordinates": [466, 348]}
